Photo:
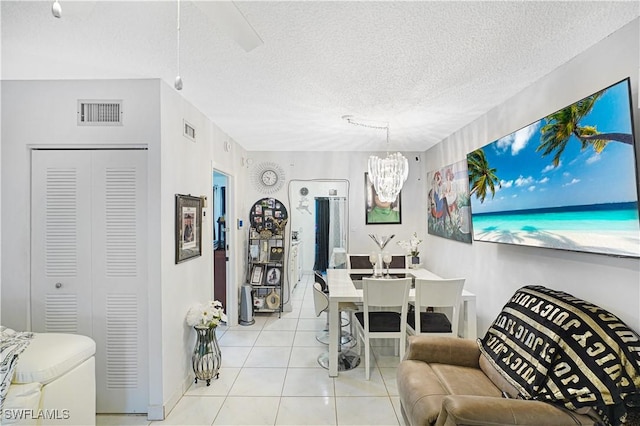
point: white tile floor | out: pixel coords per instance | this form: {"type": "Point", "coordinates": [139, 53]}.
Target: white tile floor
{"type": "Point", "coordinates": [270, 376]}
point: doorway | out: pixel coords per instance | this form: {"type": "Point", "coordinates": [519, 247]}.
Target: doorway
{"type": "Point", "coordinates": [220, 237]}
{"type": "Point", "coordinates": [303, 196]}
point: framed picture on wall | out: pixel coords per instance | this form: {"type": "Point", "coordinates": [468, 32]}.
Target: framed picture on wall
{"type": "Point", "coordinates": [379, 212]}
{"type": "Point", "coordinates": [188, 232]}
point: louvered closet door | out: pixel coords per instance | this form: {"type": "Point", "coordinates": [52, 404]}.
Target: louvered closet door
{"type": "Point", "coordinates": [119, 255]}
{"type": "Point", "coordinates": [89, 263]}
{"type": "Point", "coordinates": [61, 242]}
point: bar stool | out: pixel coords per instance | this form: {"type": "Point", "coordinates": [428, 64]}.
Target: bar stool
{"type": "Point", "coordinates": [323, 336]}
{"type": "Point", "coordinates": [347, 359]}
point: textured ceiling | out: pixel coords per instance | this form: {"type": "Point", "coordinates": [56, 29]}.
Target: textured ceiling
{"type": "Point", "coordinates": [428, 68]}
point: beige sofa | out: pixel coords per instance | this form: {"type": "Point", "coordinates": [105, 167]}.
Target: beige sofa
{"type": "Point", "coordinates": [446, 381]}
{"type": "Point", "coordinates": [549, 358]}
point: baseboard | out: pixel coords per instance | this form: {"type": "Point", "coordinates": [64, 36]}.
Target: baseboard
{"type": "Point", "coordinates": [159, 412]}
{"type": "Point", "coordinates": [155, 412]}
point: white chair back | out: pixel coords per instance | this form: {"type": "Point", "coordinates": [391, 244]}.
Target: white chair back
{"type": "Point", "coordinates": [385, 293]}
{"type": "Point", "coordinates": [381, 294]}
{"type": "Point", "coordinates": [441, 293]}
{"type": "Point", "coordinates": [320, 299]}
{"type": "Point", "coordinates": [320, 279]}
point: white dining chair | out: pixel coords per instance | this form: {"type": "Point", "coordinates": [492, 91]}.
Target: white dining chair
{"type": "Point", "coordinates": [441, 295]}
{"type": "Point", "coordinates": [383, 294]}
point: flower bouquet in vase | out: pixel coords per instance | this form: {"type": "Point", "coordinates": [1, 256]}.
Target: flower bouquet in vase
{"type": "Point", "coordinates": [411, 247]}
{"type": "Point", "coordinates": [207, 357]}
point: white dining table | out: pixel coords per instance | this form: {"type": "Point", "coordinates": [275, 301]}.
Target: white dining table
{"type": "Point", "coordinates": [342, 289]}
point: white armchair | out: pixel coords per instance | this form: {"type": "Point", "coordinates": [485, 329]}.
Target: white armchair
{"type": "Point", "coordinates": [54, 382]}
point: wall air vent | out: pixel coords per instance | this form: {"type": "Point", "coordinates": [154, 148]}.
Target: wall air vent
{"type": "Point", "coordinates": [189, 131]}
{"type": "Point", "coordinates": [99, 113]}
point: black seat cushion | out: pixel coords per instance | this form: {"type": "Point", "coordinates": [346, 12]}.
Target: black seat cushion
{"type": "Point", "coordinates": [430, 322]}
{"type": "Point", "coordinates": [381, 321]}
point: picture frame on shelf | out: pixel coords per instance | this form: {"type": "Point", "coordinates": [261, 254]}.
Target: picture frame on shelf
{"type": "Point", "coordinates": [273, 276]}
{"type": "Point", "coordinates": [276, 254]}
{"type": "Point", "coordinates": [254, 251]}
{"type": "Point", "coordinates": [256, 274]}
{"type": "Point", "coordinates": [188, 228]}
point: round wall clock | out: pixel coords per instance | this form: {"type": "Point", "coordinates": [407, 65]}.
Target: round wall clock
{"type": "Point", "coordinates": [268, 177]}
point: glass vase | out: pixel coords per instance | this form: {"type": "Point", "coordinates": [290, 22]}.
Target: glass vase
{"type": "Point", "coordinates": [206, 358]}
{"type": "Point", "coordinates": [381, 241]}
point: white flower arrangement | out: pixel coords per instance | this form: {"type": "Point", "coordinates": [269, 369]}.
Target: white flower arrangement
{"type": "Point", "coordinates": [208, 314]}
{"type": "Point", "coordinates": [411, 246]}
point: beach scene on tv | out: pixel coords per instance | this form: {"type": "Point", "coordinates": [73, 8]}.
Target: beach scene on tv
{"type": "Point", "coordinates": [567, 181]}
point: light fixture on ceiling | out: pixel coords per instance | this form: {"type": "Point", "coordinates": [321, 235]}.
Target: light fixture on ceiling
{"type": "Point", "coordinates": [386, 174]}
{"type": "Point", "coordinates": [56, 9]}
{"type": "Point", "coordinates": [178, 83]}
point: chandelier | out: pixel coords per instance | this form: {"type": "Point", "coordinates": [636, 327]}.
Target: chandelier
{"type": "Point", "coordinates": [386, 174]}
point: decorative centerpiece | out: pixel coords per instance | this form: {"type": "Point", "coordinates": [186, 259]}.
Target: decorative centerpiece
{"type": "Point", "coordinates": [206, 358]}
{"type": "Point", "coordinates": [411, 247]}
{"type": "Point", "coordinates": [381, 241]}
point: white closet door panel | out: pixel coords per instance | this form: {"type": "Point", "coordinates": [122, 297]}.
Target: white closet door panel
{"type": "Point", "coordinates": [119, 277]}
{"type": "Point", "coordinates": [61, 242]}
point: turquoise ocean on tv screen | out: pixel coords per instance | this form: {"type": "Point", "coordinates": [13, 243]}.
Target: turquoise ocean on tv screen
{"type": "Point", "coordinates": [600, 217]}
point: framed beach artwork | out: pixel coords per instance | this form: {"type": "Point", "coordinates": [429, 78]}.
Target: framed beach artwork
{"type": "Point", "coordinates": [567, 181]}
{"type": "Point", "coordinates": [188, 227]}
{"type": "Point", "coordinates": [449, 212]}
{"type": "Point", "coordinates": [379, 212]}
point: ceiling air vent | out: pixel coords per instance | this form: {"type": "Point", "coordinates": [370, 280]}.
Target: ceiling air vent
{"type": "Point", "coordinates": [99, 113]}
{"type": "Point", "coordinates": [189, 131]}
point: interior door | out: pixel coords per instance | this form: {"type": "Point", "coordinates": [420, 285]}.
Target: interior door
{"type": "Point", "coordinates": [119, 277]}
{"type": "Point", "coordinates": [89, 266]}
{"type": "Point", "coordinates": [220, 257]}
{"type": "Point", "coordinates": [61, 242]}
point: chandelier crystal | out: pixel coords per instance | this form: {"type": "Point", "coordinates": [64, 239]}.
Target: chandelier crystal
{"type": "Point", "coordinates": [388, 175]}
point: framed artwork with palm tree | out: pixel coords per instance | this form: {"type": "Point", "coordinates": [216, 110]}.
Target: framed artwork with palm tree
{"type": "Point", "coordinates": [449, 213]}
{"type": "Point", "coordinates": [567, 181]}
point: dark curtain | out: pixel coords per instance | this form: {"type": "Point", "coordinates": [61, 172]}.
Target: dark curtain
{"type": "Point", "coordinates": [322, 235]}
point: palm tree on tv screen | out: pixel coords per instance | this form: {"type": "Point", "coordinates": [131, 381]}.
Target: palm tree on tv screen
{"type": "Point", "coordinates": [481, 176]}
{"type": "Point", "coordinates": [561, 125]}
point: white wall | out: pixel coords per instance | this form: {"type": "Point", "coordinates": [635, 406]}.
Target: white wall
{"type": "Point", "coordinates": [495, 271]}
{"type": "Point", "coordinates": [186, 168]}
{"type": "Point", "coordinates": [44, 113]}
{"type": "Point", "coordinates": [231, 160]}
{"type": "Point", "coordinates": [350, 166]}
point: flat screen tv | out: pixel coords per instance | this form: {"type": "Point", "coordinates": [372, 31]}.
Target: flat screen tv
{"type": "Point", "coordinates": [567, 181]}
